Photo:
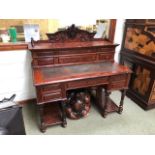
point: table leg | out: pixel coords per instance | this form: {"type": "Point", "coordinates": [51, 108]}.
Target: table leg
{"type": "Point", "coordinates": [107, 93]}
{"type": "Point", "coordinates": [123, 92]}
{"type": "Point", "coordinates": [64, 122]}
{"type": "Point", "coordinates": [41, 114]}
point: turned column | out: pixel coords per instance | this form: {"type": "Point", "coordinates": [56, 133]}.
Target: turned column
{"type": "Point", "coordinates": [107, 93]}
{"type": "Point", "coordinates": [123, 93]}
{"type": "Point", "coordinates": [41, 114]}
{"type": "Point", "coordinates": [64, 122]}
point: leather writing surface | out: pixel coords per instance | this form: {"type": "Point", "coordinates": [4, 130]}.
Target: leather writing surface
{"type": "Point", "coordinates": [76, 72]}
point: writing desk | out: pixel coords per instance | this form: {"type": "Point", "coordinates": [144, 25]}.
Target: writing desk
{"type": "Point", "coordinates": [70, 60]}
{"type": "Point", "coordinates": [52, 84]}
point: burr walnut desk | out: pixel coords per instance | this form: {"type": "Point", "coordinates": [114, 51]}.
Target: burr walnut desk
{"type": "Point", "coordinates": [70, 60]}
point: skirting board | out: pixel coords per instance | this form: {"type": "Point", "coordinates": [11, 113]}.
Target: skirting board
{"type": "Point", "coordinates": [28, 101]}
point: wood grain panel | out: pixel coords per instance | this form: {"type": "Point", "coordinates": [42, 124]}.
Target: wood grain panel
{"type": "Point", "coordinates": [105, 57]}
{"type": "Point", "coordinates": [118, 77]}
{"type": "Point", "coordinates": [117, 85]}
{"type": "Point", "coordinates": [44, 54]}
{"type": "Point", "coordinates": [87, 83]}
{"type": "Point", "coordinates": [77, 58]}
{"type": "Point", "coordinates": [51, 87]}
{"type": "Point", "coordinates": [51, 96]}
{"type": "Point", "coordinates": [43, 61]}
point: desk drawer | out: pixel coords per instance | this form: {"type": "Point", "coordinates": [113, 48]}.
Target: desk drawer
{"type": "Point", "coordinates": [53, 87]}
{"type": "Point", "coordinates": [118, 82]}
{"type": "Point", "coordinates": [105, 57]}
{"type": "Point", "coordinates": [43, 61]}
{"type": "Point", "coordinates": [117, 85]}
{"type": "Point", "coordinates": [48, 93]}
{"type": "Point", "coordinates": [87, 83]}
{"type": "Point", "coordinates": [51, 96]}
{"type": "Point", "coordinates": [119, 77]}
{"type": "Point", "coordinates": [44, 54]}
{"type": "Point", "coordinates": [105, 50]}
{"type": "Point", "coordinates": [77, 58]}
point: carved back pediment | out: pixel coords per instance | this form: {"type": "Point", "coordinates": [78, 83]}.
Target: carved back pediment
{"type": "Point", "coordinates": [72, 33]}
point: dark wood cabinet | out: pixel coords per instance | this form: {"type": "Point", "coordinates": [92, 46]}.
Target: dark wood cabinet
{"type": "Point", "coordinates": [138, 52]}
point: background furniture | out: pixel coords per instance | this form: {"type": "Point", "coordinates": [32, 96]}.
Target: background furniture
{"type": "Point", "coordinates": [73, 59]}
{"type": "Point", "coordinates": [11, 121]}
{"type": "Point", "coordinates": [138, 52]}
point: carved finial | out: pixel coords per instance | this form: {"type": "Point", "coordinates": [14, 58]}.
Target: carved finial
{"type": "Point", "coordinates": [72, 31]}
{"type": "Point", "coordinates": [32, 42]}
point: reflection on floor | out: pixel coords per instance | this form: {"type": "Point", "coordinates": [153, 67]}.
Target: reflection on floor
{"type": "Point", "coordinates": [133, 120]}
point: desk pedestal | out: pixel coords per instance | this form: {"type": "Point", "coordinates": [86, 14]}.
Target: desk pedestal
{"type": "Point", "coordinates": [51, 114]}
{"type": "Point", "coordinates": [105, 104]}
{"type": "Point", "coordinates": [54, 113]}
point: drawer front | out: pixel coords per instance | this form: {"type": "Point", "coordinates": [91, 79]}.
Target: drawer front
{"type": "Point", "coordinates": [87, 50]}
{"type": "Point", "coordinates": [87, 83]}
{"type": "Point", "coordinates": [103, 49]}
{"type": "Point", "coordinates": [43, 54]}
{"type": "Point", "coordinates": [118, 82]}
{"type": "Point", "coordinates": [117, 85]}
{"type": "Point", "coordinates": [53, 87]}
{"type": "Point", "coordinates": [103, 56]}
{"type": "Point", "coordinates": [43, 61]}
{"type": "Point", "coordinates": [49, 93]}
{"type": "Point", "coordinates": [119, 77]}
{"type": "Point", "coordinates": [76, 51]}
{"type": "Point", "coordinates": [51, 96]}
{"type": "Point", "coordinates": [77, 58]}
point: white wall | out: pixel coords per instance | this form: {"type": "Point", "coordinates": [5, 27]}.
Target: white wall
{"type": "Point", "coordinates": [77, 21]}
{"type": "Point", "coordinates": [118, 37]}
{"type": "Point", "coordinates": [16, 73]}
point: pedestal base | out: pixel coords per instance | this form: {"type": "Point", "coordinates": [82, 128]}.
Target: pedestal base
{"type": "Point", "coordinates": [105, 104]}
{"type": "Point", "coordinates": [51, 115]}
